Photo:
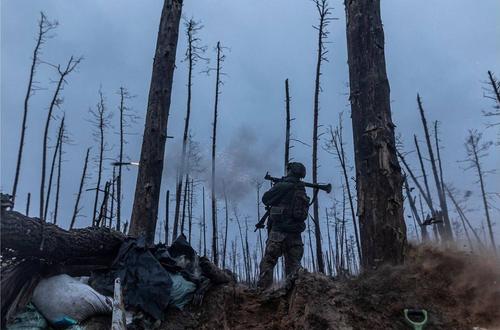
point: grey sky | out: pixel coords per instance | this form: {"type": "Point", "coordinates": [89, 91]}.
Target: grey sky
{"type": "Point", "coordinates": [441, 49]}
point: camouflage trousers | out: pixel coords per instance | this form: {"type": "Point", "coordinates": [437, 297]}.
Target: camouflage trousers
{"type": "Point", "coordinates": [288, 245]}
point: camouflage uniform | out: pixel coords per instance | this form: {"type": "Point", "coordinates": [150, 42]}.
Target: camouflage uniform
{"type": "Point", "coordinates": [284, 231]}
{"type": "Point", "coordinates": [280, 244]}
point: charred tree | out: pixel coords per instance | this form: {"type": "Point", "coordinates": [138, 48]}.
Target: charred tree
{"type": "Point", "coordinates": [44, 27]}
{"type": "Point", "coordinates": [464, 219]}
{"type": "Point", "coordinates": [475, 151]}
{"type": "Point", "coordinates": [124, 119]}
{"type": "Point", "coordinates": [55, 102]}
{"type": "Point", "coordinates": [493, 93]}
{"type": "Point", "coordinates": [59, 169]}
{"type": "Point", "coordinates": [226, 227]}
{"type": "Point", "coordinates": [337, 143]}
{"type": "Point", "coordinates": [378, 175]}
{"type": "Point", "coordinates": [80, 189]}
{"type": "Point", "coordinates": [411, 201]}
{"type": "Point", "coordinates": [427, 195]}
{"type": "Point", "coordinates": [147, 191]}
{"type": "Point", "coordinates": [324, 19]}
{"type": "Point", "coordinates": [167, 216]}
{"type": "Point", "coordinates": [218, 83]}
{"type": "Point", "coordinates": [52, 166]}
{"type": "Point", "coordinates": [192, 56]}
{"type": "Point", "coordinates": [287, 129]}
{"type": "Point", "coordinates": [439, 186]}
{"type": "Point", "coordinates": [204, 220]}
{"type": "Point", "coordinates": [28, 202]}
{"type": "Point", "coordinates": [101, 121]}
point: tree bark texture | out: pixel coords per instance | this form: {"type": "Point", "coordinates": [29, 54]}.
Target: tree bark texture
{"type": "Point", "coordinates": [23, 235]}
{"type": "Point", "coordinates": [378, 174]}
{"type": "Point", "coordinates": [147, 192]}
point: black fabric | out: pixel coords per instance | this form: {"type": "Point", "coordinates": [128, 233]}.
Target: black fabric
{"type": "Point", "coordinates": [145, 283]}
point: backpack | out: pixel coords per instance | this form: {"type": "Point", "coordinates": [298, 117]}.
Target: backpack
{"type": "Point", "coordinates": [299, 206]}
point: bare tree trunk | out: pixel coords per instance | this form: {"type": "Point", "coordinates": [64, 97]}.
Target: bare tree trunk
{"type": "Point", "coordinates": [79, 194]}
{"type": "Point", "coordinates": [204, 225]}
{"type": "Point", "coordinates": [167, 210]}
{"type": "Point", "coordinates": [428, 195]}
{"type": "Point", "coordinates": [464, 219]}
{"type": "Point", "coordinates": [330, 246]}
{"type": "Point", "coordinates": [52, 167]}
{"type": "Point", "coordinates": [287, 130]}
{"type": "Point", "coordinates": [411, 200]}
{"type": "Point", "coordinates": [226, 229]}
{"type": "Point", "coordinates": [147, 192]}
{"type": "Point", "coordinates": [101, 124]}
{"type": "Point", "coordinates": [338, 143]}
{"type": "Point", "coordinates": [474, 150]}
{"type": "Point", "coordinates": [112, 199]}
{"type": "Point", "coordinates": [259, 185]}
{"type": "Point", "coordinates": [28, 202]}
{"type": "Point", "coordinates": [442, 197]}
{"type": "Point", "coordinates": [220, 58]}
{"type": "Point", "coordinates": [378, 174]}
{"type": "Point", "coordinates": [311, 252]}
{"type": "Point", "coordinates": [103, 212]}
{"type": "Point", "coordinates": [123, 95]}
{"type": "Point", "coordinates": [44, 27]}
{"type": "Point", "coordinates": [55, 102]}
{"type": "Point", "coordinates": [58, 180]}
{"type": "Point", "coordinates": [324, 19]}
{"type": "Point", "coordinates": [190, 210]}
{"type": "Point", "coordinates": [192, 56]}
{"type": "Point", "coordinates": [185, 199]}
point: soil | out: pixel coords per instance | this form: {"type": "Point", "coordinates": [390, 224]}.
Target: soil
{"type": "Point", "coordinates": [459, 291]}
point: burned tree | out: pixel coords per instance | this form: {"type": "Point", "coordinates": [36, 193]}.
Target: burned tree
{"type": "Point", "coordinates": [287, 129]}
{"type": "Point", "coordinates": [80, 189]}
{"type": "Point", "coordinates": [324, 19]}
{"type": "Point", "coordinates": [44, 27]}
{"type": "Point", "coordinates": [378, 175]}
{"type": "Point", "coordinates": [439, 186]}
{"type": "Point", "coordinates": [476, 150]}
{"type": "Point", "coordinates": [147, 191]}
{"type": "Point", "coordinates": [55, 102]}
{"type": "Point", "coordinates": [100, 119]}
{"type": "Point", "coordinates": [336, 144]}
{"type": "Point", "coordinates": [192, 56]}
{"type": "Point", "coordinates": [59, 169]}
{"type": "Point", "coordinates": [218, 83]}
{"type": "Point", "coordinates": [125, 118]}
{"type": "Point", "coordinates": [52, 166]}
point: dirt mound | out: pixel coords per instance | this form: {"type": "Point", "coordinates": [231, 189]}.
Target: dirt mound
{"type": "Point", "coordinates": [458, 290]}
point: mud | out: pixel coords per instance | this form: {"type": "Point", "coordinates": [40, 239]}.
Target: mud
{"type": "Point", "coordinates": [458, 290]}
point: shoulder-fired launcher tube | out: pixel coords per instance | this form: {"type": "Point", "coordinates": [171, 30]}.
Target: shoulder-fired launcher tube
{"type": "Point", "coordinates": [325, 187]}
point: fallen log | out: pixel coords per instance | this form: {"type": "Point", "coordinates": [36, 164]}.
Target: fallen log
{"type": "Point", "coordinates": [75, 252]}
{"type": "Point", "coordinates": [23, 235]}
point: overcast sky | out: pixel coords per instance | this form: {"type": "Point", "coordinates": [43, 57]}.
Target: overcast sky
{"type": "Point", "coordinates": [441, 49]}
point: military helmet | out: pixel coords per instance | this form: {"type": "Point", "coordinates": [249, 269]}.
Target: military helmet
{"type": "Point", "coordinates": [296, 169]}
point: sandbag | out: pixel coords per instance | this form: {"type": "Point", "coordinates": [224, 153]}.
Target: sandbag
{"type": "Point", "coordinates": [62, 299]}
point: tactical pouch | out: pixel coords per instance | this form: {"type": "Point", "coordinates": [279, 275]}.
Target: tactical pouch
{"type": "Point", "coordinates": [277, 213]}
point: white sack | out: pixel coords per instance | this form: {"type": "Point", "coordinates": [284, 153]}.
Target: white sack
{"type": "Point", "coordinates": [62, 296]}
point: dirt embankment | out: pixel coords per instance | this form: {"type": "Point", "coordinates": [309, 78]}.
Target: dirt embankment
{"type": "Point", "coordinates": [458, 290]}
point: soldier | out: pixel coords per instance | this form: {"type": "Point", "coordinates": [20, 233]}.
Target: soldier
{"type": "Point", "coordinates": [288, 206]}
